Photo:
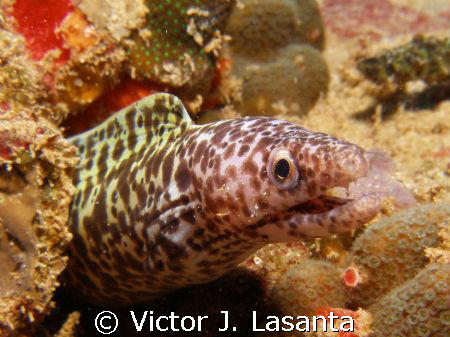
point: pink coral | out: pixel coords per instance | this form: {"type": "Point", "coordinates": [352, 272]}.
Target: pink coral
{"type": "Point", "coordinates": [352, 18]}
{"type": "Point", "coordinates": [351, 277]}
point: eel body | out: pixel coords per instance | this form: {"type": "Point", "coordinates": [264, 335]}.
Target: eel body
{"type": "Point", "coordinates": [162, 203]}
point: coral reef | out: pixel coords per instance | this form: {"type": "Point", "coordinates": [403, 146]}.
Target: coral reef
{"type": "Point", "coordinates": [68, 55]}
{"type": "Point", "coordinates": [441, 253]}
{"type": "Point", "coordinates": [38, 25]}
{"type": "Point", "coordinates": [392, 251]}
{"type": "Point", "coordinates": [56, 57]}
{"type": "Point", "coordinates": [361, 323]}
{"type": "Point", "coordinates": [413, 73]}
{"type": "Point", "coordinates": [118, 17]}
{"type": "Point", "coordinates": [275, 52]}
{"type": "Point", "coordinates": [79, 61]}
{"type": "Point", "coordinates": [386, 260]}
{"type": "Point", "coordinates": [35, 192]}
{"type": "Point", "coordinates": [175, 46]}
{"type": "Point", "coordinates": [423, 58]}
{"type": "Point", "coordinates": [18, 82]}
{"type": "Point", "coordinates": [420, 307]}
{"type": "Point", "coordinates": [291, 82]}
{"type": "Point", "coordinates": [274, 260]}
{"type": "Point", "coordinates": [306, 287]}
{"type": "Point", "coordinates": [258, 28]}
{"type": "Point", "coordinates": [377, 19]}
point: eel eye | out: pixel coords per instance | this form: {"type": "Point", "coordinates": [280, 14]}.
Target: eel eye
{"type": "Point", "coordinates": [283, 171]}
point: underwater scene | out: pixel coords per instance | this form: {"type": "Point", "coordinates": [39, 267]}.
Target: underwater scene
{"type": "Point", "coordinates": [225, 168]}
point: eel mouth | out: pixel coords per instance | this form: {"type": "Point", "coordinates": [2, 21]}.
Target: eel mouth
{"type": "Point", "coordinates": [344, 208]}
{"type": "Point", "coordinates": [339, 209]}
{"type": "Point", "coordinates": [332, 198]}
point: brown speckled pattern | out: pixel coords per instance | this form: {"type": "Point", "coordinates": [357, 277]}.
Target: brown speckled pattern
{"type": "Point", "coordinates": [162, 204]}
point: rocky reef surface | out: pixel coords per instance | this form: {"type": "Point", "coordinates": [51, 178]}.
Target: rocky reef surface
{"type": "Point", "coordinates": [35, 192]}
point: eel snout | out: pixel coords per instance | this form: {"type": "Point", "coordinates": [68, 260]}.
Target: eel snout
{"type": "Point", "coordinates": [349, 165]}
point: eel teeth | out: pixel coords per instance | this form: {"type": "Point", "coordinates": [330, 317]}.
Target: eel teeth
{"type": "Point", "coordinates": [339, 219]}
{"type": "Point", "coordinates": [337, 192]}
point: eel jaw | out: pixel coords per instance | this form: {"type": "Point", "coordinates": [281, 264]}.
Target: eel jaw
{"type": "Point", "coordinates": [344, 208]}
{"type": "Point", "coordinates": [335, 216]}
{"type": "Point", "coordinates": [324, 215]}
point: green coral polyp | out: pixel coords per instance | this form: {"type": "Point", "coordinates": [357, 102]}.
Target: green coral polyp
{"type": "Point", "coordinates": [170, 41]}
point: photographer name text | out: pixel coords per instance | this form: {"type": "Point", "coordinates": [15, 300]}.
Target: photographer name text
{"type": "Point", "coordinates": [147, 320]}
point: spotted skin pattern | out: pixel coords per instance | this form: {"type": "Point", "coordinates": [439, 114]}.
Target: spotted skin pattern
{"type": "Point", "coordinates": [162, 203]}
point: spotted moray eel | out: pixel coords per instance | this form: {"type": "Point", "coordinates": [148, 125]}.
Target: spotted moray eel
{"type": "Point", "coordinates": [162, 203]}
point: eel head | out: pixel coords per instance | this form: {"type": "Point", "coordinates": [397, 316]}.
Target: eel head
{"type": "Point", "coordinates": [281, 182]}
